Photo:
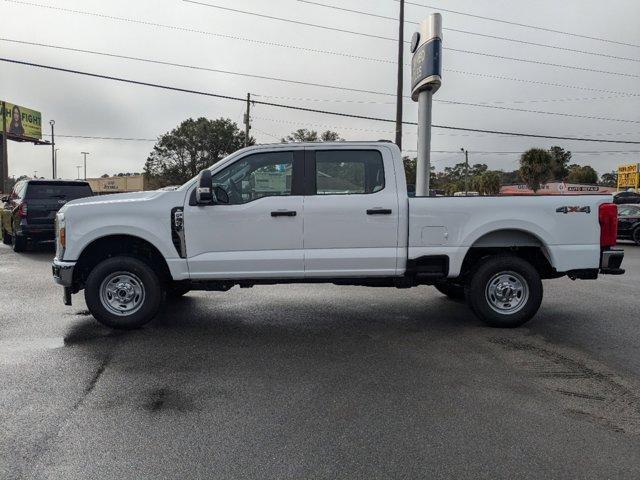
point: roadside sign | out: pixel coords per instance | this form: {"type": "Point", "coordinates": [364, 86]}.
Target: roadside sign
{"type": "Point", "coordinates": [629, 176]}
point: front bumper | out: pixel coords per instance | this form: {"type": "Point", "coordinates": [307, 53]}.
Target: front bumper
{"type": "Point", "coordinates": [610, 261]}
{"type": "Point", "coordinates": [63, 272]}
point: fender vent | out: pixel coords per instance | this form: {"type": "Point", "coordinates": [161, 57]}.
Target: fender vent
{"type": "Point", "coordinates": [177, 231]}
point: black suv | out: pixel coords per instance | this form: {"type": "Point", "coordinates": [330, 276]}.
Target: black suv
{"type": "Point", "coordinates": [30, 211]}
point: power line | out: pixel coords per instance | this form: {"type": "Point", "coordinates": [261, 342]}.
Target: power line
{"type": "Point", "coordinates": [312, 50]}
{"type": "Point", "coordinates": [313, 84]}
{"type": "Point", "coordinates": [517, 24]}
{"type": "Point", "coordinates": [468, 32]}
{"type": "Point", "coordinates": [380, 37]}
{"type": "Point", "coordinates": [303, 109]}
{"type": "Point", "coordinates": [90, 137]}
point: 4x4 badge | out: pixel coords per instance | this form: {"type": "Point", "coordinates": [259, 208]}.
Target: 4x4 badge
{"type": "Point", "coordinates": [573, 210]}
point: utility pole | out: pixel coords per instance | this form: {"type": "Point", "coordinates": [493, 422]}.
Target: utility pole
{"type": "Point", "coordinates": [247, 121]}
{"type": "Point", "coordinates": [4, 164]}
{"type": "Point", "coordinates": [400, 77]}
{"type": "Point", "coordinates": [466, 171]}
{"type": "Point", "coordinates": [85, 163]}
{"type": "Point", "coordinates": [53, 149]}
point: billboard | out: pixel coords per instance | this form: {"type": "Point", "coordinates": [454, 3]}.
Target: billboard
{"type": "Point", "coordinates": [22, 121]}
{"type": "Point", "coordinates": [629, 176]}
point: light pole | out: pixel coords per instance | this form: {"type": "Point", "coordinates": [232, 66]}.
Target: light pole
{"type": "Point", "coordinates": [466, 171]}
{"type": "Point", "coordinates": [85, 163]}
{"type": "Point", "coordinates": [35, 174]}
{"type": "Point", "coordinates": [400, 77]}
{"type": "Point", "coordinates": [53, 149]}
{"type": "Point", "coordinates": [78, 167]}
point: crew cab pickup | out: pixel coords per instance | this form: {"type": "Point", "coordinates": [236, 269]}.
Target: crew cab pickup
{"type": "Point", "coordinates": [325, 212]}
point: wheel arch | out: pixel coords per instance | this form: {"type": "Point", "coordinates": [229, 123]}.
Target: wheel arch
{"type": "Point", "coordinates": [522, 243]}
{"type": "Point", "coordinates": [112, 245]}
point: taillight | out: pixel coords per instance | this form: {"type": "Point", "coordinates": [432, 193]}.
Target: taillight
{"type": "Point", "coordinates": [608, 217]}
{"type": "Point", "coordinates": [22, 210]}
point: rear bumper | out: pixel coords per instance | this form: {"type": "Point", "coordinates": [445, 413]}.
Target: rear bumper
{"type": "Point", "coordinates": [63, 272]}
{"type": "Point", "coordinates": [611, 260]}
{"type": "Point", "coordinates": [37, 232]}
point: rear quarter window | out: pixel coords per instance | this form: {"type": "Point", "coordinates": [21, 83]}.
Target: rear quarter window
{"type": "Point", "coordinates": [58, 190]}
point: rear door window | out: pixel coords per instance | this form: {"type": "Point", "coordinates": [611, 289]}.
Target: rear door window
{"type": "Point", "coordinates": [66, 191]}
{"type": "Point", "coordinates": [348, 172]}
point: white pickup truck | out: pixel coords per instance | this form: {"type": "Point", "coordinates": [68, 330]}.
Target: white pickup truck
{"type": "Point", "coordinates": [325, 212]}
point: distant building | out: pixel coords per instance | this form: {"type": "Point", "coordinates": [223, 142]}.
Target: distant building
{"type": "Point", "coordinates": [131, 183]}
{"type": "Point", "coordinates": [556, 188]}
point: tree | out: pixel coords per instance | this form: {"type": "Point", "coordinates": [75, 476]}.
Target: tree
{"type": "Point", "coordinates": [329, 136]}
{"type": "Point", "coordinates": [561, 158]}
{"type": "Point", "coordinates": [536, 167]}
{"type": "Point", "coordinates": [304, 135]}
{"type": "Point", "coordinates": [585, 174]}
{"type": "Point", "coordinates": [191, 147]}
{"type": "Point", "coordinates": [609, 179]}
{"type": "Point", "coordinates": [489, 182]}
{"type": "Point", "coordinates": [410, 169]}
{"type": "Point", "coordinates": [104, 175]}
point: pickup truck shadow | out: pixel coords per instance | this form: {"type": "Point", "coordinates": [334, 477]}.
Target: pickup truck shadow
{"type": "Point", "coordinates": [292, 318]}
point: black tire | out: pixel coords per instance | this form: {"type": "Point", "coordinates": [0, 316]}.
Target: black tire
{"type": "Point", "coordinates": [176, 290]}
{"type": "Point", "coordinates": [6, 238]}
{"type": "Point", "coordinates": [635, 236]}
{"type": "Point", "coordinates": [451, 290]}
{"type": "Point", "coordinates": [138, 273]}
{"type": "Point", "coordinates": [487, 288]}
{"type": "Point", "coordinates": [18, 243]}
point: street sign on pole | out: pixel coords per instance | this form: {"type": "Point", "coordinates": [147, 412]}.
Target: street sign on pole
{"type": "Point", "coordinates": [426, 78]}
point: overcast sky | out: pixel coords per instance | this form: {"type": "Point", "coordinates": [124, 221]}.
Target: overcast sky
{"type": "Point", "coordinates": [84, 106]}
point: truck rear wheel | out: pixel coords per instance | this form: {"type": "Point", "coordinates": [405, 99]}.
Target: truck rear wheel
{"type": "Point", "coordinates": [505, 291]}
{"type": "Point", "coordinates": [123, 293]}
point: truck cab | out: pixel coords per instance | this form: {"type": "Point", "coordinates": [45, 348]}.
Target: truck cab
{"type": "Point", "coordinates": [325, 212]}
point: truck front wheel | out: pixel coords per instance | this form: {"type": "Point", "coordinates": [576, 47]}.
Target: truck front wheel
{"type": "Point", "coordinates": [505, 291]}
{"type": "Point", "coordinates": [123, 292]}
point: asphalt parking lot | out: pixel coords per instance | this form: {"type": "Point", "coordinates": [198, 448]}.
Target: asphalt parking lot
{"type": "Point", "coordinates": [319, 382]}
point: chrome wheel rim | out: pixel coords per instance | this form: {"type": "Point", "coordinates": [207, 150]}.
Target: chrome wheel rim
{"type": "Point", "coordinates": [507, 292]}
{"type": "Point", "coordinates": [122, 293]}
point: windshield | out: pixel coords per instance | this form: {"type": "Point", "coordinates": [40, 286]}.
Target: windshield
{"type": "Point", "coordinates": [68, 191]}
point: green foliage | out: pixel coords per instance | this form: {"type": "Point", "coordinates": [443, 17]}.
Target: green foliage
{"type": "Point", "coordinates": [304, 135]}
{"type": "Point", "coordinates": [609, 179]}
{"type": "Point", "coordinates": [488, 182]}
{"type": "Point", "coordinates": [582, 174]}
{"type": "Point", "coordinates": [191, 147]}
{"type": "Point", "coordinates": [561, 158]}
{"type": "Point", "coordinates": [536, 167]}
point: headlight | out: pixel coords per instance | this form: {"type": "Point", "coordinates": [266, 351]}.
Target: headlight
{"type": "Point", "coordinates": [61, 235]}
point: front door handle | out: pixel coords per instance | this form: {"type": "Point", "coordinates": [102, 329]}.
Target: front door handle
{"type": "Point", "coordinates": [379, 211]}
{"type": "Point", "coordinates": [283, 213]}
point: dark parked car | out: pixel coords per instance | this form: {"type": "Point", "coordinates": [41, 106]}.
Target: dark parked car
{"type": "Point", "coordinates": [626, 197]}
{"type": "Point", "coordinates": [629, 222]}
{"type": "Point", "coordinates": [29, 212]}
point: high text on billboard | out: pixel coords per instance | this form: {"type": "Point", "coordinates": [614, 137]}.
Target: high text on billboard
{"type": "Point", "coordinates": [22, 122]}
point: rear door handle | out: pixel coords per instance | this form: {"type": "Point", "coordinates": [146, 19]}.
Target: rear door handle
{"type": "Point", "coordinates": [379, 211]}
{"type": "Point", "coordinates": [283, 213]}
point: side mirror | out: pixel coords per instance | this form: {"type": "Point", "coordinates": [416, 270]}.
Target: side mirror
{"type": "Point", "coordinates": [204, 191]}
{"type": "Point", "coordinates": [221, 195]}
